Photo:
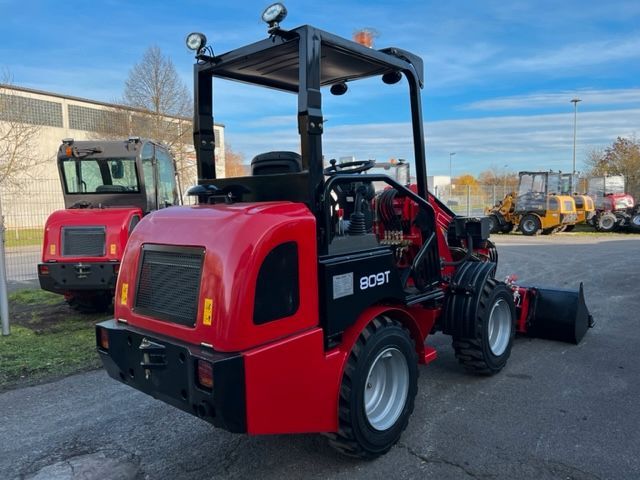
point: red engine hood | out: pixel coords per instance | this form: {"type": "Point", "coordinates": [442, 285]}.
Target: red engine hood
{"type": "Point", "coordinates": [236, 240]}
{"type": "Point", "coordinates": [116, 222]}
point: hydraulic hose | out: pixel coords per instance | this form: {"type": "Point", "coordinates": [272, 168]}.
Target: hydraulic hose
{"type": "Point", "coordinates": [467, 255]}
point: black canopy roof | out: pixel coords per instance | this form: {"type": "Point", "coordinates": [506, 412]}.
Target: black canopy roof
{"type": "Point", "coordinates": [274, 62]}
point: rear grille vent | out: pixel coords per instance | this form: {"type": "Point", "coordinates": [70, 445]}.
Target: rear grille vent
{"type": "Point", "coordinates": [83, 241]}
{"type": "Point", "coordinates": [169, 283]}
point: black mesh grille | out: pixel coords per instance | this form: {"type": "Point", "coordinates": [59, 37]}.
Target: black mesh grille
{"type": "Point", "coordinates": [83, 241]}
{"type": "Point", "coordinates": [169, 283]}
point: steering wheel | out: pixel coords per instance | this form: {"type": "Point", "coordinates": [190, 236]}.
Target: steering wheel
{"type": "Point", "coordinates": [348, 167]}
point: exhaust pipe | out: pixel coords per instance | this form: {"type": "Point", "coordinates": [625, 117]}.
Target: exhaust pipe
{"type": "Point", "coordinates": [557, 314]}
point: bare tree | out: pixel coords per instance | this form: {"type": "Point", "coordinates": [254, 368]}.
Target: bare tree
{"type": "Point", "coordinates": [163, 106]}
{"type": "Point", "coordinates": [17, 139]}
{"type": "Point", "coordinates": [502, 177]}
{"type": "Point", "coordinates": [234, 163]}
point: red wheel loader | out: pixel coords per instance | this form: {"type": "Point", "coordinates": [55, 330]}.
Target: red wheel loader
{"type": "Point", "coordinates": [615, 209]}
{"type": "Point", "coordinates": [298, 299]}
{"type": "Point", "coordinates": [108, 186]}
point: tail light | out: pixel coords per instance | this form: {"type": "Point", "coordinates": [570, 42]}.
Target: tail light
{"type": "Point", "coordinates": [43, 269]}
{"type": "Point", "coordinates": [103, 338]}
{"type": "Point", "coordinates": [205, 374]}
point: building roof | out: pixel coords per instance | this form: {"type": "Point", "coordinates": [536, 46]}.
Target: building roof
{"type": "Point", "coordinates": [88, 100]}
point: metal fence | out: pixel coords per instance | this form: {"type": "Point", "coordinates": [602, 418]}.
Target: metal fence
{"type": "Point", "coordinates": [25, 212]}
{"type": "Point", "coordinates": [26, 209]}
{"type": "Point", "coordinates": [471, 200]}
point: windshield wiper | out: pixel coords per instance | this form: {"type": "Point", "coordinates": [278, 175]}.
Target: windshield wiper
{"type": "Point", "coordinates": [83, 152]}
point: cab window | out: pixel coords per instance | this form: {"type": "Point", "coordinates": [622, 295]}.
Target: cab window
{"type": "Point", "coordinates": [167, 192]}
{"type": "Point", "coordinates": [149, 175]}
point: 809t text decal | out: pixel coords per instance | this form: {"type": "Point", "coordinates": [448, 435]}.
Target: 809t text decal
{"type": "Point", "coordinates": [374, 280]}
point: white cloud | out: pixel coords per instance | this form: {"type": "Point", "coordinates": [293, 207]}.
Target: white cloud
{"type": "Point", "coordinates": [627, 97]}
{"type": "Point", "coordinates": [523, 141]}
{"type": "Point", "coordinates": [563, 60]}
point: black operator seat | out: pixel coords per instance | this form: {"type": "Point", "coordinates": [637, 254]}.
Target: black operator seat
{"type": "Point", "coordinates": [276, 162]}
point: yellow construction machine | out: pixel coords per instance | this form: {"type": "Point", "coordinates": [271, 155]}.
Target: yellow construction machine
{"type": "Point", "coordinates": [571, 184]}
{"type": "Point", "coordinates": [538, 206]}
{"type": "Point", "coordinates": [501, 215]}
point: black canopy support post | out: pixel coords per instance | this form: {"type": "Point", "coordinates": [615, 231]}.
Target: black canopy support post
{"type": "Point", "coordinates": [203, 136]}
{"type": "Point", "coordinates": [310, 122]}
{"type": "Point", "coordinates": [418, 135]}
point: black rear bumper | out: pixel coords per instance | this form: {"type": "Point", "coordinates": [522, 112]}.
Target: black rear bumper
{"type": "Point", "coordinates": [167, 370]}
{"type": "Point", "coordinates": [64, 277]}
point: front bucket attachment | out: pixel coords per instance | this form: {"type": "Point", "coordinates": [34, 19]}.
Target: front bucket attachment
{"type": "Point", "coordinates": [557, 314]}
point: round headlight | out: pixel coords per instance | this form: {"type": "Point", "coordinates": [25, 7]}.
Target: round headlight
{"type": "Point", "coordinates": [195, 41]}
{"type": "Point", "coordinates": [274, 14]}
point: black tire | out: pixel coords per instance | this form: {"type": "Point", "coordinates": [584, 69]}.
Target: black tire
{"type": "Point", "coordinates": [493, 252]}
{"type": "Point", "coordinates": [90, 302]}
{"type": "Point", "coordinates": [530, 225]}
{"type": "Point", "coordinates": [569, 228]}
{"type": "Point", "coordinates": [478, 355]}
{"type": "Point", "coordinates": [494, 223]}
{"type": "Point", "coordinates": [606, 222]}
{"type": "Point", "coordinates": [356, 436]}
{"type": "Point", "coordinates": [634, 223]}
{"type": "Point", "coordinates": [507, 228]}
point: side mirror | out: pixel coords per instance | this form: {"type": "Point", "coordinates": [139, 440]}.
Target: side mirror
{"type": "Point", "coordinates": [117, 169]}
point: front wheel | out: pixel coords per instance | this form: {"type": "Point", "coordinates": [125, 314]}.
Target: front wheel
{"type": "Point", "coordinates": [494, 223]}
{"type": "Point", "coordinates": [530, 225]}
{"type": "Point", "coordinates": [606, 222]}
{"type": "Point", "coordinates": [489, 351]}
{"type": "Point", "coordinates": [635, 223]}
{"type": "Point", "coordinates": [378, 390]}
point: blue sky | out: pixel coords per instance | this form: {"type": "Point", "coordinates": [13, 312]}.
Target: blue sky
{"type": "Point", "coordinates": [499, 75]}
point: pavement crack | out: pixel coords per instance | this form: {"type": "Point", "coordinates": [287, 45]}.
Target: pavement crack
{"type": "Point", "coordinates": [442, 461]}
{"type": "Point", "coordinates": [231, 456]}
{"type": "Point", "coordinates": [73, 468]}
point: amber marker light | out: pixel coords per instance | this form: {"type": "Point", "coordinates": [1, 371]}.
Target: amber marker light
{"type": "Point", "coordinates": [205, 374]}
{"type": "Point", "coordinates": [103, 338]}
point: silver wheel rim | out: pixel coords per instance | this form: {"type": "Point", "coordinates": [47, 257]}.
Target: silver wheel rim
{"type": "Point", "coordinates": [529, 226]}
{"type": "Point", "coordinates": [636, 220]}
{"type": "Point", "coordinates": [607, 222]}
{"type": "Point", "coordinates": [499, 327]}
{"type": "Point", "coordinates": [386, 388]}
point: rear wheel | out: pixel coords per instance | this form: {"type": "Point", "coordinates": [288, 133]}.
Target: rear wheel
{"type": "Point", "coordinates": [378, 390]}
{"type": "Point", "coordinates": [530, 225]}
{"type": "Point", "coordinates": [606, 222]}
{"type": "Point", "coordinates": [489, 351]}
{"type": "Point", "coordinates": [635, 223]}
{"type": "Point", "coordinates": [89, 302]}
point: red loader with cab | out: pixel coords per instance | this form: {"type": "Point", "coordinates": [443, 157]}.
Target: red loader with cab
{"type": "Point", "coordinates": [108, 186]}
{"type": "Point", "coordinates": [299, 298]}
{"type": "Point", "coordinates": [615, 209]}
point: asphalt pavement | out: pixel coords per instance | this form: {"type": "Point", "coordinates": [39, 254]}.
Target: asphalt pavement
{"type": "Point", "coordinates": [557, 411]}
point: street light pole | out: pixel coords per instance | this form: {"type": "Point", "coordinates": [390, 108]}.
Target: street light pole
{"type": "Point", "coordinates": [575, 123]}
